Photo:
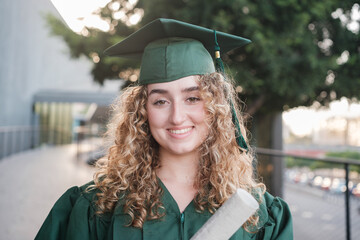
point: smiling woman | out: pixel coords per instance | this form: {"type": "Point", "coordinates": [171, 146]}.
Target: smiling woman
{"type": "Point", "coordinates": [174, 158]}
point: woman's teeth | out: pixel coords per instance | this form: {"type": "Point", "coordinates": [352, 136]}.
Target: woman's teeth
{"type": "Point", "coordinates": [181, 131]}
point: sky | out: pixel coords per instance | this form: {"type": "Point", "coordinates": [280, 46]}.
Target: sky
{"type": "Point", "coordinates": [303, 121]}
{"type": "Point", "coordinates": [80, 13]}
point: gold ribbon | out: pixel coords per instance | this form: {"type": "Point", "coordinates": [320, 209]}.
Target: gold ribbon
{"type": "Point", "coordinates": [217, 54]}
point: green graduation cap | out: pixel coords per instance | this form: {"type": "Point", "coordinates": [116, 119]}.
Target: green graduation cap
{"type": "Point", "coordinates": [171, 49]}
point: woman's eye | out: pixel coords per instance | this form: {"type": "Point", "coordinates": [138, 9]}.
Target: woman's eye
{"type": "Point", "coordinates": [193, 99]}
{"type": "Point", "coordinates": [159, 102]}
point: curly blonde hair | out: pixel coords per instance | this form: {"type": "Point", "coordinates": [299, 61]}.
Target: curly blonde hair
{"type": "Point", "coordinates": [129, 174]}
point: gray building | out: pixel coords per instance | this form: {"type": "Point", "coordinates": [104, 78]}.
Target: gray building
{"type": "Point", "coordinates": [34, 63]}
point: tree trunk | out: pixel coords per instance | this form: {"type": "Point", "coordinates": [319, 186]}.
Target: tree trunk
{"type": "Point", "coordinates": [267, 133]}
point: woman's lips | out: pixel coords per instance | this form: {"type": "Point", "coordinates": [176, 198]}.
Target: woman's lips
{"type": "Point", "coordinates": [180, 132]}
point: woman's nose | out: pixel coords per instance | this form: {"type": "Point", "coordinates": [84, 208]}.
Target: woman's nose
{"type": "Point", "coordinates": [177, 114]}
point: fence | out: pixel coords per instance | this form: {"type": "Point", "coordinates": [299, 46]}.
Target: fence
{"type": "Point", "coordinates": [14, 139]}
{"type": "Point", "coordinates": [335, 160]}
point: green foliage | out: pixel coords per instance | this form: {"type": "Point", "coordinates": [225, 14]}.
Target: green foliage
{"type": "Point", "coordinates": [349, 155]}
{"type": "Point", "coordinates": [285, 66]}
{"type": "Point", "coordinates": [299, 162]}
{"type": "Point", "coordinates": [320, 164]}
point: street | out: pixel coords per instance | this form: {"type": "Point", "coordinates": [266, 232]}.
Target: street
{"type": "Point", "coordinates": [318, 214]}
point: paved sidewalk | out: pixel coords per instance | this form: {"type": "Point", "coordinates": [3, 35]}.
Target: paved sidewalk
{"type": "Point", "coordinates": [31, 182]}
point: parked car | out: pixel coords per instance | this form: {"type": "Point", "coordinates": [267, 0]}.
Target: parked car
{"type": "Point", "coordinates": [338, 186]}
{"type": "Point", "coordinates": [356, 190]}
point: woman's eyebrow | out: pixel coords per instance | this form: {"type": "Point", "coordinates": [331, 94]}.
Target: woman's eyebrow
{"type": "Point", "coordinates": [164, 91]}
{"type": "Point", "coordinates": [160, 91]}
{"type": "Point", "coordinates": [190, 89]}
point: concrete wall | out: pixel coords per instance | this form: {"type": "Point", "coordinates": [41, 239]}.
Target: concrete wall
{"type": "Point", "coordinates": [32, 60]}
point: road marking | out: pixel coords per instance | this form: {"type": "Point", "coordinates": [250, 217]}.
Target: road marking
{"type": "Point", "coordinates": [307, 214]}
{"type": "Point", "coordinates": [293, 208]}
{"type": "Point", "coordinates": [327, 217]}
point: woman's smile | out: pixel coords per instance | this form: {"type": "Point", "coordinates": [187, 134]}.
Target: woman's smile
{"type": "Point", "coordinates": [181, 132]}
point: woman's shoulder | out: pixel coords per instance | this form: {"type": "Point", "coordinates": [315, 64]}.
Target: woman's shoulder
{"type": "Point", "coordinates": [88, 191]}
{"type": "Point", "coordinates": [275, 221]}
{"type": "Point", "coordinates": [73, 215]}
{"type": "Point", "coordinates": [75, 195]}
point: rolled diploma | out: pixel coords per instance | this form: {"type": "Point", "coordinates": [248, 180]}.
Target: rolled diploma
{"type": "Point", "coordinates": [228, 218]}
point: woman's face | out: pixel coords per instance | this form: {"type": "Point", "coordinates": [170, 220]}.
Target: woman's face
{"type": "Point", "coordinates": [177, 116]}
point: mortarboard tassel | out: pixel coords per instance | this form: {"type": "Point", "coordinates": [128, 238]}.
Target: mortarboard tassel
{"type": "Point", "coordinates": [220, 68]}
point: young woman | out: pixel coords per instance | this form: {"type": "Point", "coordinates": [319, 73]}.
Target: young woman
{"type": "Point", "coordinates": [175, 158]}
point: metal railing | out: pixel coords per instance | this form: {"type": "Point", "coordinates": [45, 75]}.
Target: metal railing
{"type": "Point", "coordinates": [15, 139]}
{"type": "Point", "coordinates": [344, 161]}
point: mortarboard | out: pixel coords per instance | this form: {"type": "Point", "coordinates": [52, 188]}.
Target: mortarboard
{"type": "Point", "coordinates": [133, 46]}
{"type": "Point", "coordinates": [171, 49]}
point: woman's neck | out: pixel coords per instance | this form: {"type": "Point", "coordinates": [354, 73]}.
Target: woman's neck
{"type": "Point", "coordinates": [178, 175]}
{"type": "Point", "coordinates": [178, 168]}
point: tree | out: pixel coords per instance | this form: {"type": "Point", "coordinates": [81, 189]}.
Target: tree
{"type": "Point", "coordinates": [298, 55]}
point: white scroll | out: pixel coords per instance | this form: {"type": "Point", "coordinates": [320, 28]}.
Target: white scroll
{"type": "Point", "coordinates": [229, 217]}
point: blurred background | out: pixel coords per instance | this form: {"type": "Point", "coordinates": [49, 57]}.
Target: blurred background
{"type": "Point", "coordinates": [299, 81]}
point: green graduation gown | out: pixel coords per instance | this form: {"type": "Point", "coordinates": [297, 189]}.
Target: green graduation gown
{"type": "Point", "coordinates": [73, 218]}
